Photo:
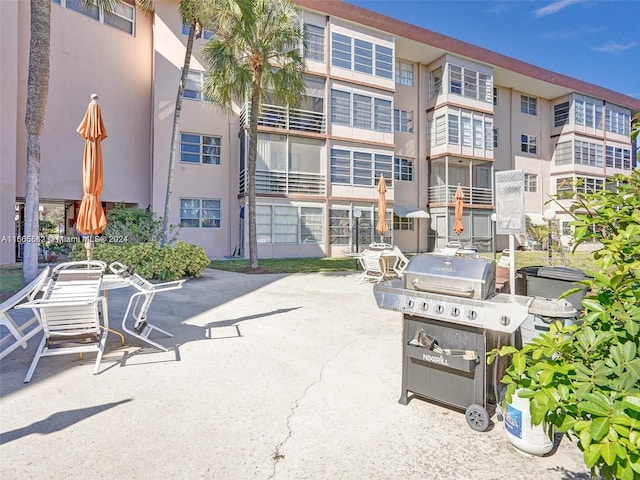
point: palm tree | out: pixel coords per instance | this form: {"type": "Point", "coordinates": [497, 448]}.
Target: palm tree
{"type": "Point", "coordinates": [192, 12]}
{"type": "Point", "coordinates": [37, 93]}
{"type": "Point", "coordinates": [255, 50]}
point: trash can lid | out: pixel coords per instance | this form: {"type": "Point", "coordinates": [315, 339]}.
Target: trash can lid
{"type": "Point", "coordinates": [530, 270]}
{"type": "Point", "coordinates": [552, 307]}
{"type": "Point", "coordinates": [562, 273]}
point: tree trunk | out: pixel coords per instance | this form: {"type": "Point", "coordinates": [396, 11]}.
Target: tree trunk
{"type": "Point", "coordinates": [37, 91]}
{"type": "Point", "coordinates": [253, 153]}
{"type": "Point", "coordinates": [175, 133]}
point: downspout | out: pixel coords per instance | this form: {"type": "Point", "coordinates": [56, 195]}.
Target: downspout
{"type": "Point", "coordinates": [152, 109]}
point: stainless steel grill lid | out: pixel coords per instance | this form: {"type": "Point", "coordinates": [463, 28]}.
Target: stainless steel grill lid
{"type": "Point", "coordinates": [456, 276]}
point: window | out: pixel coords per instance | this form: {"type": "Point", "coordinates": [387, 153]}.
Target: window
{"type": "Point", "coordinates": [564, 155]}
{"type": "Point", "coordinates": [362, 117]}
{"type": "Point", "coordinates": [528, 105]}
{"type": "Point", "coordinates": [488, 135]}
{"type": "Point", "coordinates": [470, 84]}
{"type": "Point", "coordinates": [206, 34]}
{"type": "Point", "coordinates": [587, 111]}
{"type": "Point", "coordinates": [199, 213]}
{"type": "Point", "coordinates": [196, 148]}
{"type": "Point", "coordinates": [618, 157]}
{"type": "Point", "coordinates": [289, 224]}
{"type": "Point", "coordinates": [589, 185]}
{"type": "Point", "coordinates": [528, 144]}
{"type": "Point", "coordinates": [402, 121]}
{"type": "Point", "coordinates": [339, 227]}
{"type": "Point", "coordinates": [495, 137]}
{"type": "Point", "coordinates": [400, 223]}
{"type": "Point", "coordinates": [454, 129]}
{"type": "Point", "coordinates": [617, 121]}
{"type": "Point", "coordinates": [404, 73]}
{"type": "Point", "coordinates": [477, 133]}
{"type": "Point", "coordinates": [361, 56]}
{"type": "Point", "coordinates": [340, 107]}
{"type": "Point", "coordinates": [313, 42]}
{"type": "Point", "coordinates": [122, 17]}
{"type": "Point", "coordinates": [193, 88]}
{"type": "Point", "coordinates": [495, 96]}
{"type": "Point", "coordinates": [402, 169]}
{"type": "Point", "coordinates": [564, 188]}
{"type": "Point", "coordinates": [586, 153]}
{"type": "Point", "coordinates": [561, 114]}
{"type": "Point", "coordinates": [435, 82]}
{"type": "Point", "coordinates": [359, 168]}
{"type": "Point", "coordinates": [530, 182]}
{"type": "Point", "coordinates": [340, 51]}
{"type": "Point", "coordinates": [384, 62]}
{"type": "Point", "coordinates": [361, 111]}
{"type": "Point", "coordinates": [439, 132]}
{"type": "Point", "coordinates": [381, 115]}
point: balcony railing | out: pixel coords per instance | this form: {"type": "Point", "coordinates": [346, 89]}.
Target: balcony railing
{"type": "Point", "coordinates": [472, 195]}
{"type": "Point", "coordinates": [285, 182]}
{"type": "Point", "coordinates": [275, 116]}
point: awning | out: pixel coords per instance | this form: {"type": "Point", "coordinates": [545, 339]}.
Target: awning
{"type": "Point", "coordinates": [409, 212]}
{"type": "Point", "coordinates": [536, 219]}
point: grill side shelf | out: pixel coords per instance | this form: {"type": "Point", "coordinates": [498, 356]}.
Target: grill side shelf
{"type": "Point", "coordinates": [454, 362]}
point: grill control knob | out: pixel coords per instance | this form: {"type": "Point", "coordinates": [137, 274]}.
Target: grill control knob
{"type": "Point", "coordinates": [439, 309]}
{"type": "Point", "coordinates": [472, 314]}
{"type": "Point", "coordinates": [410, 304]}
{"type": "Point", "coordinates": [425, 306]}
{"type": "Point", "coordinates": [504, 320]}
{"type": "Point", "coordinates": [455, 311]}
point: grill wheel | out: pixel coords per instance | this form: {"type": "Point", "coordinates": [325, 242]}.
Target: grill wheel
{"type": "Point", "coordinates": [477, 417]}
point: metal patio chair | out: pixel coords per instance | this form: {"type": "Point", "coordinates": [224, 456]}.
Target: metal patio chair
{"type": "Point", "coordinates": [73, 314]}
{"type": "Point", "coordinates": [19, 335]}
{"type": "Point", "coordinates": [140, 302]}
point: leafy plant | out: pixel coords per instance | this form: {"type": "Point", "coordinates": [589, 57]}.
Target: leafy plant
{"type": "Point", "coordinates": [136, 225]}
{"type": "Point", "coordinates": [150, 260]}
{"type": "Point", "coordinates": [584, 379]}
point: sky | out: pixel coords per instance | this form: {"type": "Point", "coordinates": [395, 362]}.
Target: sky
{"type": "Point", "coordinates": [597, 41]}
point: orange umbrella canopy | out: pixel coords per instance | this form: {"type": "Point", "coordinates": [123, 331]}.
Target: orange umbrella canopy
{"type": "Point", "coordinates": [91, 217]}
{"type": "Point", "coordinates": [381, 226]}
{"type": "Point", "coordinates": [458, 227]}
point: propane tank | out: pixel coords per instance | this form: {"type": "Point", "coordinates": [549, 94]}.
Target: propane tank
{"type": "Point", "coordinates": [520, 432]}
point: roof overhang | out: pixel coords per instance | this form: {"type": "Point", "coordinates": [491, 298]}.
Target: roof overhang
{"type": "Point", "coordinates": [405, 211]}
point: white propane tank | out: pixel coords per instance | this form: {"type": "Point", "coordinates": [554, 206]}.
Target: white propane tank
{"type": "Point", "coordinates": [520, 432]}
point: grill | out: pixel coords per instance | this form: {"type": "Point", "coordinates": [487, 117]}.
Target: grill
{"type": "Point", "coordinates": [451, 317]}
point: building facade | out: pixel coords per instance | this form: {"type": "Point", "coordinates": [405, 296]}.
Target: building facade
{"type": "Point", "coordinates": [382, 97]}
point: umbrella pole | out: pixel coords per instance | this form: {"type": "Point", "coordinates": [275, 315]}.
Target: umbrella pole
{"type": "Point", "coordinates": [89, 244]}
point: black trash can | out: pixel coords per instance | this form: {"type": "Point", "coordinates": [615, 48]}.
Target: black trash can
{"type": "Point", "coordinates": [551, 282]}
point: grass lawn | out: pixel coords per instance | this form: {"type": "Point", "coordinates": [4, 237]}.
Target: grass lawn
{"type": "Point", "coordinates": [580, 260]}
{"type": "Point", "coordinates": [10, 279]}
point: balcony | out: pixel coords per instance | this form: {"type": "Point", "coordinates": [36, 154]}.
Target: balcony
{"type": "Point", "coordinates": [446, 194]}
{"type": "Point", "coordinates": [274, 116]}
{"type": "Point", "coordinates": [286, 182]}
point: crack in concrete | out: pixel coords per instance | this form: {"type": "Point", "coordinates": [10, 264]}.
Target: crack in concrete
{"type": "Point", "coordinates": [277, 456]}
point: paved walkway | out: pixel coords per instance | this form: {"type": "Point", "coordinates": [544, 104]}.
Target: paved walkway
{"type": "Point", "coordinates": [273, 377]}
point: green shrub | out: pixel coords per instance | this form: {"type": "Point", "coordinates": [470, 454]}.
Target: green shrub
{"type": "Point", "coordinates": [585, 379]}
{"type": "Point", "coordinates": [135, 225]}
{"type": "Point", "coordinates": [149, 260]}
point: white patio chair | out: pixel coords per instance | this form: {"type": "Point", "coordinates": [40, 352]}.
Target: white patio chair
{"type": "Point", "coordinates": [19, 335]}
{"type": "Point", "coordinates": [401, 261]}
{"type": "Point", "coordinates": [373, 266]}
{"type": "Point", "coordinates": [503, 261]}
{"type": "Point", "coordinates": [140, 302]}
{"type": "Point", "coordinates": [73, 314]}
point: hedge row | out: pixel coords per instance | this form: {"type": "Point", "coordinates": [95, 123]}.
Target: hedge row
{"type": "Point", "coordinates": [149, 260]}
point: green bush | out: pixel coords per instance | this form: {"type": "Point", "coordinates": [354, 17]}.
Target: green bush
{"type": "Point", "coordinates": [584, 379]}
{"type": "Point", "coordinates": [135, 225]}
{"type": "Point", "coordinates": [149, 260]}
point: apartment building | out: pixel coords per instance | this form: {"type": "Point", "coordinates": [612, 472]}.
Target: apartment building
{"type": "Point", "coordinates": [382, 97]}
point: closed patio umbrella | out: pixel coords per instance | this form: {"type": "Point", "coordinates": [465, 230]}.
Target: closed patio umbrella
{"type": "Point", "coordinates": [381, 226]}
{"type": "Point", "coordinates": [91, 218]}
{"type": "Point", "coordinates": [458, 227]}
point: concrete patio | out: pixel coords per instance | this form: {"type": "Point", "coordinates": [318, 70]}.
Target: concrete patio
{"type": "Point", "coordinates": [272, 377]}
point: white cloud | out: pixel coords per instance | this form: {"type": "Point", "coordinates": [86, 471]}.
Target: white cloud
{"type": "Point", "coordinates": [613, 47]}
{"type": "Point", "coordinates": [554, 7]}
